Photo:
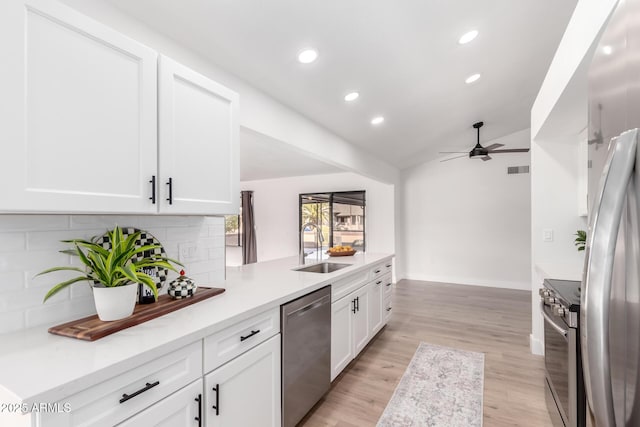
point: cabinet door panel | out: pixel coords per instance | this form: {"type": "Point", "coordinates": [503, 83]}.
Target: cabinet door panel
{"type": "Point", "coordinates": [198, 125]}
{"type": "Point", "coordinates": [361, 333]}
{"type": "Point", "coordinates": [374, 301]}
{"type": "Point", "coordinates": [85, 139]}
{"type": "Point", "coordinates": [248, 389]}
{"type": "Point", "coordinates": [341, 335]}
{"type": "Point", "coordinates": [178, 409]}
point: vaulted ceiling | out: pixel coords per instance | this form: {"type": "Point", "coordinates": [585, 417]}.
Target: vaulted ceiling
{"type": "Point", "coordinates": [402, 56]}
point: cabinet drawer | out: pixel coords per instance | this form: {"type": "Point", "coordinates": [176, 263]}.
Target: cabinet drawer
{"type": "Point", "coordinates": [105, 404]}
{"type": "Point", "coordinates": [228, 343]}
{"type": "Point", "coordinates": [387, 284]}
{"type": "Point", "coordinates": [381, 269]}
{"type": "Point", "coordinates": [387, 308]}
{"type": "Point", "coordinates": [343, 287]}
{"type": "Point", "coordinates": [182, 408]}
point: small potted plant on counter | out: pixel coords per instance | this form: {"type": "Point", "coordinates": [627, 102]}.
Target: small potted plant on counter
{"type": "Point", "coordinates": [113, 272]}
{"type": "Point", "coordinates": [581, 239]}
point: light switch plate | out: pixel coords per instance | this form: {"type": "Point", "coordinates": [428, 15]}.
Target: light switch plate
{"type": "Point", "coordinates": [547, 235]}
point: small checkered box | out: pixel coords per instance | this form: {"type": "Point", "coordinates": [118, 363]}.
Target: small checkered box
{"type": "Point", "coordinates": [182, 287]}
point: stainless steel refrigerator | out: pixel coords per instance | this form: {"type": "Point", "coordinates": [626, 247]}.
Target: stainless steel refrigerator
{"type": "Point", "coordinates": [610, 300]}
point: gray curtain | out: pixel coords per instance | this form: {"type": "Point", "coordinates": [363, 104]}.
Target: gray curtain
{"type": "Point", "coordinates": [249, 251]}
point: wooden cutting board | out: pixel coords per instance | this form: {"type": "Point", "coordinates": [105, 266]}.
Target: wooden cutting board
{"type": "Point", "coordinates": [92, 328]}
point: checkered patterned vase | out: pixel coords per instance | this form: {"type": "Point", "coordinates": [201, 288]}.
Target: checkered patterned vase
{"type": "Point", "coordinates": [182, 287]}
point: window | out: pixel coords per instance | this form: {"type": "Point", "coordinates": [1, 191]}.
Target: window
{"type": "Point", "coordinates": [340, 216]}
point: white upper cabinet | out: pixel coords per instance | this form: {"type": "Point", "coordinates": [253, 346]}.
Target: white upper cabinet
{"type": "Point", "coordinates": [81, 114]}
{"type": "Point", "coordinates": [198, 131]}
{"type": "Point", "coordinates": [79, 111]}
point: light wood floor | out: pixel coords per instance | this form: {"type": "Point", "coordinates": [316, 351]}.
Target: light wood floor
{"type": "Point", "coordinates": [493, 321]}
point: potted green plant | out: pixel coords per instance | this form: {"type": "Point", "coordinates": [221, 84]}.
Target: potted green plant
{"type": "Point", "coordinates": [114, 273]}
{"type": "Point", "coordinates": [581, 239]}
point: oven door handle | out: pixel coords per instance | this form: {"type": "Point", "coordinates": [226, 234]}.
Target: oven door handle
{"type": "Point", "coordinates": [553, 324]}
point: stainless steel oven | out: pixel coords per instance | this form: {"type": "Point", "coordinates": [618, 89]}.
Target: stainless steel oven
{"type": "Point", "coordinates": [560, 307]}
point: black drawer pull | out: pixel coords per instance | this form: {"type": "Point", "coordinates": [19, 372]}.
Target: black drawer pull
{"type": "Point", "coordinates": [378, 282]}
{"type": "Point", "coordinates": [170, 184]}
{"type": "Point", "coordinates": [388, 308]}
{"type": "Point", "coordinates": [153, 189]}
{"type": "Point", "coordinates": [148, 386]}
{"type": "Point", "coordinates": [388, 265]}
{"type": "Point", "coordinates": [246, 337]}
{"type": "Point", "coordinates": [217, 405]}
{"type": "Point", "coordinates": [199, 417]}
{"type": "Point", "coordinates": [358, 303]}
{"type": "Point", "coordinates": [388, 284]}
{"type": "Point", "coordinates": [377, 271]}
{"type": "Point", "coordinates": [354, 306]}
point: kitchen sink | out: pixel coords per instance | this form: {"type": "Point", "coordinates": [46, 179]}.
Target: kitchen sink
{"type": "Point", "coordinates": [323, 267]}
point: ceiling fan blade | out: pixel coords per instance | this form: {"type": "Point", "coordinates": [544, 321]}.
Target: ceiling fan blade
{"type": "Point", "coordinates": [453, 158]}
{"type": "Point", "coordinates": [493, 146]}
{"type": "Point", "coordinates": [485, 158]}
{"type": "Point", "coordinates": [453, 152]}
{"type": "Point", "coordinates": [511, 150]}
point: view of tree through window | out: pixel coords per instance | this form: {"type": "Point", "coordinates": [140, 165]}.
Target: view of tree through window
{"type": "Point", "coordinates": [340, 217]}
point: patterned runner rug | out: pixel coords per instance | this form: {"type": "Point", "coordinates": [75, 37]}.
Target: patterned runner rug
{"type": "Point", "coordinates": [442, 387]}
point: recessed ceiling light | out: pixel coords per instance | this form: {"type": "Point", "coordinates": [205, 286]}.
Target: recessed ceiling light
{"type": "Point", "coordinates": [307, 56]}
{"type": "Point", "coordinates": [352, 96]}
{"type": "Point", "coordinates": [472, 78]}
{"type": "Point", "coordinates": [467, 37]}
{"type": "Point", "coordinates": [377, 120]}
{"type": "Point", "coordinates": [607, 50]}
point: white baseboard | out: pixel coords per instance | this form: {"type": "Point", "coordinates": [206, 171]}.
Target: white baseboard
{"type": "Point", "coordinates": [536, 345]}
{"type": "Point", "coordinates": [524, 286]}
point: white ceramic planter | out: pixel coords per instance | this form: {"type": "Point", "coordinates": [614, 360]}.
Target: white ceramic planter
{"type": "Point", "coordinates": [115, 303]}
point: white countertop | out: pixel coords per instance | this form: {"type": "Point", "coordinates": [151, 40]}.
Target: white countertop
{"type": "Point", "coordinates": [36, 366]}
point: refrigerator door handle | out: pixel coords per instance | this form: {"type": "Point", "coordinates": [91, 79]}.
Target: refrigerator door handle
{"type": "Point", "coordinates": [598, 272]}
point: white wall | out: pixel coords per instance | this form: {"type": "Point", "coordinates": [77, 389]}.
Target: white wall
{"type": "Point", "coordinates": [258, 111]}
{"type": "Point", "coordinates": [558, 118]}
{"type": "Point", "coordinates": [29, 244]}
{"type": "Point", "coordinates": [276, 211]}
{"type": "Point", "coordinates": [467, 221]}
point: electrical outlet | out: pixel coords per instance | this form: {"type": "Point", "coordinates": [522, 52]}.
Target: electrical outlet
{"type": "Point", "coordinates": [190, 252]}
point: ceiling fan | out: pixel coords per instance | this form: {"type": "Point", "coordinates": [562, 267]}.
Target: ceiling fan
{"type": "Point", "coordinates": [480, 152]}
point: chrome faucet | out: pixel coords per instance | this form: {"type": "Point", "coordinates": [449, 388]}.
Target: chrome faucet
{"type": "Point", "coordinates": [319, 238]}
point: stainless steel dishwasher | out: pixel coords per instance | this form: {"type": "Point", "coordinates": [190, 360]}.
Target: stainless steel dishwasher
{"type": "Point", "coordinates": [306, 353]}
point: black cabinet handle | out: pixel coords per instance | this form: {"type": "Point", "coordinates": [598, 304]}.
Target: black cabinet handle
{"type": "Point", "coordinates": [148, 386]}
{"type": "Point", "coordinates": [378, 282]}
{"type": "Point", "coordinates": [170, 184]}
{"type": "Point", "coordinates": [377, 271]}
{"type": "Point", "coordinates": [199, 417]}
{"type": "Point", "coordinates": [153, 189]}
{"type": "Point", "coordinates": [217, 405]}
{"type": "Point", "coordinates": [388, 284]}
{"type": "Point", "coordinates": [388, 265]}
{"type": "Point", "coordinates": [357, 303]}
{"type": "Point", "coordinates": [246, 337]}
{"type": "Point", "coordinates": [354, 306]}
{"type": "Point", "coordinates": [388, 308]}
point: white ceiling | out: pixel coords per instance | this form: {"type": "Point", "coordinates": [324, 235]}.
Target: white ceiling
{"type": "Point", "coordinates": [262, 157]}
{"type": "Point", "coordinates": [402, 56]}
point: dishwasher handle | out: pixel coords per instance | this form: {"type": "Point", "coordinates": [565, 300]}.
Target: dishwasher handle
{"type": "Point", "coordinates": [312, 305]}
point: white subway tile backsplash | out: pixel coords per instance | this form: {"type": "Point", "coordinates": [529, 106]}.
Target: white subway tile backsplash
{"type": "Point", "coordinates": [11, 321]}
{"type": "Point", "coordinates": [30, 244]}
{"type": "Point", "coordinates": [11, 281]}
{"type": "Point", "coordinates": [12, 242]}
{"type": "Point", "coordinates": [33, 222]}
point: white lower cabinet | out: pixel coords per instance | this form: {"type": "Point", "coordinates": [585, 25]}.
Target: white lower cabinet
{"type": "Point", "coordinates": [374, 302]}
{"type": "Point", "coordinates": [181, 409]}
{"type": "Point", "coordinates": [358, 316]}
{"type": "Point", "coordinates": [246, 390]}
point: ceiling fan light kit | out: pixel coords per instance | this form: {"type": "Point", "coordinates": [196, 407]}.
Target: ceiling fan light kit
{"type": "Point", "coordinates": [480, 152]}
